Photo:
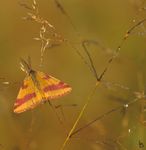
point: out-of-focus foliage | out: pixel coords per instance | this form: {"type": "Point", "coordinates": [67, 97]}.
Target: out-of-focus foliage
{"type": "Point", "coordinates": [104, 21]}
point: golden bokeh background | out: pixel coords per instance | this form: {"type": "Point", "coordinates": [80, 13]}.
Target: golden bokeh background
{"type": "Point", "coordinates": [103, 21]}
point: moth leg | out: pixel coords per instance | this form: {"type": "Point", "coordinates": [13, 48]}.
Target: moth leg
{"type": "Point", "coordinates": [54, 109]}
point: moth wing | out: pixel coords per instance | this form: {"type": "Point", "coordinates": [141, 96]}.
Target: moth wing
{"type": "Point", "coordinates": [28, 96]}
{"type": "Point", "coordinates": [51, 87]}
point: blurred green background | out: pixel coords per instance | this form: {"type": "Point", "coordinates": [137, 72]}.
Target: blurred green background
{"type": "Point", "coordinates": [104, 21]}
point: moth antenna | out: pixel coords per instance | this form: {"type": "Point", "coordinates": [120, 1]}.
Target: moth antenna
{"type": "Point", "coordinates": [24, 66]}
{"type": "Point", "coordinates": [29, 61]}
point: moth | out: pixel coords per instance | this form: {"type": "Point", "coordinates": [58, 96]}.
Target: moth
{"type": "Point", "coordinates": [38, 88]}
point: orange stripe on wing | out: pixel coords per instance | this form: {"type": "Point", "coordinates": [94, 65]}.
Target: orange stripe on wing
{"type": "Point", "coordinates": [58, 86]}
{"type": "Point", "coordinates": [27, 97]}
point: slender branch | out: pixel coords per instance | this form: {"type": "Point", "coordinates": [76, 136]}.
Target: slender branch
{"type": "Point", "coordinates": [71, 132]}
{"type": "Point", "coordinates": [91, 61]}
{"type": "Point", "coordinates": [104, 115]}
{"type": "Point", "coordinates": [78, 118]}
